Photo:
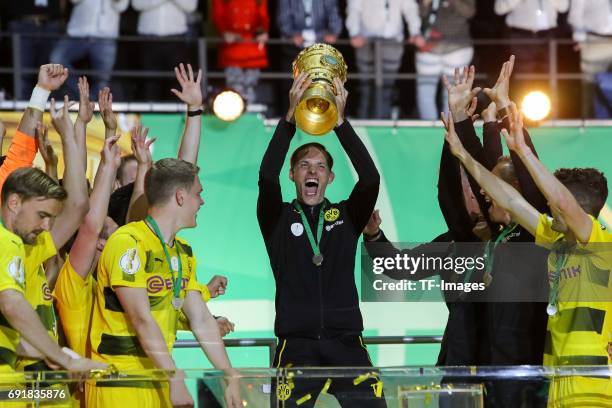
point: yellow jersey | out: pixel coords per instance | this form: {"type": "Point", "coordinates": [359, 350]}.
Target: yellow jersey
{"type": "Point", "coordinates": [37, 290]}
{"type": "Point", "coordinates": [579, 333]}
{"type": "Point", "coordinates": [74, 301]}
{"type": "Point", "coordinates": [134, 257]}
{"type": "Point", "coordinates": [12, 277]}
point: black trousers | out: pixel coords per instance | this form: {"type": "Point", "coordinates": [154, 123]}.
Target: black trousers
{"type": "Point", "coordinates": [345, 350]}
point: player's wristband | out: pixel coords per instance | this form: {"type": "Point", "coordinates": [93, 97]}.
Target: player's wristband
{"type": "Point", "coordinates": [39, 97]}
{"type": "Point", "coordinates": [195, 113]}
{"type": "Point", "coordinates": [372, 237]}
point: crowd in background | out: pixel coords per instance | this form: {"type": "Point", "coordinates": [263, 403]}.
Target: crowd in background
{"type": "Point", "coordinates": [427, 37]}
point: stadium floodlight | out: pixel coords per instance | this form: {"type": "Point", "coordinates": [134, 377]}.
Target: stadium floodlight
{"type": "Point", "coordinates": [228, 105]}
{"type": "Point", "coordinates": [536, 106]}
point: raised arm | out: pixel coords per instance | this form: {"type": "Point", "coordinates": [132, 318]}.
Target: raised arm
{"type": "Point", "coordinates": [22, 150]}
{"type": "Point", "coordinates": [77, 203]}
{"type": "Point", "coordinates": [270, 199]}
{"type": "Point", "coordinates": [500, 191]}
{"type": "Point", "coordinates": [559, 198]}
{"type": "Point", "coordinates": [46, 151]}
{"type": "Point", "coordinates": [137, 209]}
{"type": "Point", "coordinates": [105, 103]}
{"type": "Point", "coordinates": [191, 95]}
{"type": "Point", "coordinates": [362, 200]}
{"type": "Point", "coordinates": [86, 110]}
{"type": "Point", "coordinates": [83, 250]}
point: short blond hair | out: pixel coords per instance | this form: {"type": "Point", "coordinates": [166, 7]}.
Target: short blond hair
{"type": "Point", "coordinates": [30, 182]}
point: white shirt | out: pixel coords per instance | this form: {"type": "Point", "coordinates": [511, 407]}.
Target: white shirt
{"type": "Point", "coordinates": [531, 15]}
{"type": "Point", "coordinates": [163, 17]}
{"type": "Point", "coordinates": [593, 16]}
{"type": "Point", "coordinates": [96, 18]}
{"type": "Point", "coordinates": [382, 18]}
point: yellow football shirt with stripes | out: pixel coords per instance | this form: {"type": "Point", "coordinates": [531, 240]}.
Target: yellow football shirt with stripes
{"type": "Point", "coordinates": [134, 257]}
{"type": "Point", "coordinates": [12, 277]}
{"type": "Point", "coordinates": [580, 331]}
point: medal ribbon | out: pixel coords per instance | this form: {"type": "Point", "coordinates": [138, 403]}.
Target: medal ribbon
{"type": "Point", "coordinates": [489, 254]}
{"type": "Point", "coordinates": [176, 282]}
{"type": "Point", "coordinates": [313, 244]}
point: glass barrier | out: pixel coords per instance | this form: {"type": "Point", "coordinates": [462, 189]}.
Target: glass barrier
{"type": "Point", "coordinates": [516, 386]}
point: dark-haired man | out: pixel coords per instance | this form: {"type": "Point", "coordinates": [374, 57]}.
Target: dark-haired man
{"type": "Point", "coordinates": [30, 202]}
{"type": "Point", "coordinates": [311, 244]}
{"type": "Point", "coordinates": [146, 276]}
{"type": "Point", "coordinates": [579, 265]}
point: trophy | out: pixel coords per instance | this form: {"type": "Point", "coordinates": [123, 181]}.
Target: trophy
{"type": "Point", "coordinates": [316, 112]}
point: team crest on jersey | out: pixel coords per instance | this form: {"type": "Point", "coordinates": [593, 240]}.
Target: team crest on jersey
{"type": "Point", "coordinates": [297, 229]}
{"type": "Point", "coordinates": [332, 214]}
{"type": "Point", "coordinates": [129, 261]}
{"type": "Point", "coordinates": [16, 269]}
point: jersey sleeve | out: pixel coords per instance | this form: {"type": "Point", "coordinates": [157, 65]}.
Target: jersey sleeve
{"type": "Point", "coordinates": [545, 235]}
{"type": "Point", "coordinates": [41, 250]}
{"type": "Point", "coordinates": [193, 280]}
{"type": "Point", "coordinates": [71, 291]}
{"type": "Point", "coordinates": [12, 267]}
{"type": "Point", "coordinates": [21, 153]}
{"type": "Point", "coordinates": [124, 261]}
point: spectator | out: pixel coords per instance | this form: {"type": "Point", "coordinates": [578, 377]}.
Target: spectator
{"type": "Point", "coordinates": [240, 23]}
{"type": "Point", "coordinates": [372, 21]}
{"type": "Point", "coordinates": [39, 23]}
{"type": "Point", "coordinates": [531, 19]}
{"type": "Point", "coordinates": [304, 22]}
{"type": "Point", "coordinates": [445, 45]}
{"type": "Point", "coordinates": [163, 20]}
{"type": "Point", "coordinates": [92, 32]}
{"type": "Point", "coordinates": [592, 24]}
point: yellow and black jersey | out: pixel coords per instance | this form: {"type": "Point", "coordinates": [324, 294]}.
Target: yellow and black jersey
{"type": "Point", "coordinates": [12, 277]}
{"type": "Point", "coordinates": [37, 290]}
{"type": "Point", "coordinates": [579, 333]}
{"type": "Point", "coordinates": [134, 257]}
{"type": "Point", "coordinates": [74, 300]}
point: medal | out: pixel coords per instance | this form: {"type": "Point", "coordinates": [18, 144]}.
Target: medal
{"type": "Point", "coordinates": [317, 258]}
{"type": "Point", "coordinates": [551, 309]}
{"type": "Point", "coordinates": [174, 263]}
{"type": "Point", "coordinates": [177, 302]}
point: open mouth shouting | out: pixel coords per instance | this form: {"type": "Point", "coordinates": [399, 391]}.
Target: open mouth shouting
{"type": "Point", "coordinates": [311, 187]}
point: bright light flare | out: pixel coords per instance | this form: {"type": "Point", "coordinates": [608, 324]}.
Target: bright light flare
{"type": "Point", "coordinates": [228, 106]}
{"type": "Point", "coordinates": [536, 106]}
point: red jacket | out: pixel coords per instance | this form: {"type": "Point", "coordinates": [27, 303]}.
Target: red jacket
{"type": "Point", "coordinates": [248, 18]}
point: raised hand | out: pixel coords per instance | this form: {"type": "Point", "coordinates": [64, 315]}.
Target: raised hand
{"type": "Point", "coordinates": [60, 118]}
{"type": "Point", "coordinates": [515, 139]}
{"type": "Point", "coordinates": [52, 76]}
{"type": "Point", "coordinates": [110, 152]}
{"type": "Point", "coordinates": [86, 107]}
{"type": "Point", "coordinates": [490, 113]}
{"type": "Point", "coordinates": [300, 84]}
{"type": "Point", "coordinates": [500, 92]}
{"type": "Point", "coordinates": [461, 94]}
{"type": "Point", "coordinates": [341, 96]}
{"type": "Point", "coordinates": [191, 89]}
{"type": "Point", "coordinates": [44, 146]}
{"type": "Point", "coordinates": [450, 136]}
{"type": "Point", "coordinates": [472, 109]}
{"type": "Point", "coordinates": [140, 145]}
{"type": "Point", "coordinates": [105, 102]}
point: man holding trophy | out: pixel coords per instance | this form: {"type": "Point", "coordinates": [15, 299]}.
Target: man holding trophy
{"type": "Point", "coordinates": [312, 242]}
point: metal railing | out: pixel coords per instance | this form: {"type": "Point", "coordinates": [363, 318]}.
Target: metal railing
{"type": "Point", "coordinates": [202, 46]}
{"type": "Point", "coordinates": [271, 343]}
